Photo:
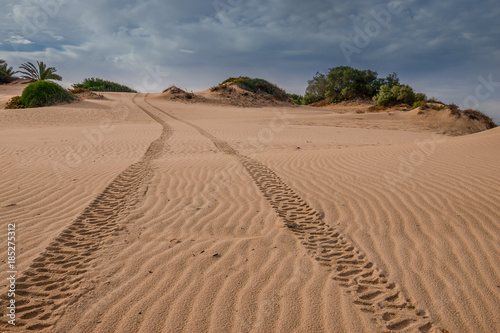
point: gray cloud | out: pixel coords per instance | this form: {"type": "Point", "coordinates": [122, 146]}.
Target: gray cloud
{"type": "Point", "coordinates": [441, 48]}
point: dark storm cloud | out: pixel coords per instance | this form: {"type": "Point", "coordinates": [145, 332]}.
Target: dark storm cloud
{"type": "Point", "coordinates": [442, 48]}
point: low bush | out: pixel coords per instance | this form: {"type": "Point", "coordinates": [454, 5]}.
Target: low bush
{"type": "Point", "coordinates": [15, 103]}
{"type": "Point", "coordinates": [376, 108]}
{"type": "Point", "coordinates": [472, 114]}
{"type": "Point", "coordinates": [234, 80]}
{"type": "Point", "coordinates": [437, 107]}
{"type": "Point", "coordinates": [96, 84]}
{"type": "Point", "coordinates": [434, 100]}
{"type": "Point", "coordinates": [420, 97]}
{"type": "Point", "coordinates": [390, 96]}
{"type": "Point", "coordinates": [258, 86]}
{"type": "Point", "coordinates": [311, 98]}
{"type": "Point", "coordinates": [478, 115]}
{"type": "Point", "coordinates": [45, 93]}
{"type": "Point", "coordinates": [454, 110]}
{"type": "Point", "coordinates": [297, 99]}
{"type": "Point", "coordinates": [419, 104]}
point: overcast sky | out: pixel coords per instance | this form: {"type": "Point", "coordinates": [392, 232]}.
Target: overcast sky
{"type": "Point", "coordinates": [443, 48]}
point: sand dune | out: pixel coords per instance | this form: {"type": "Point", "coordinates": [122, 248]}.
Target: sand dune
{"type": "Point", "coordinates": [205, 218]}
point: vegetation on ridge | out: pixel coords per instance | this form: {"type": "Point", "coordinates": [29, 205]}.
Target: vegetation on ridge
{"type": "Point", "coordinates": [257, 86]}
{"type": "Point", "coordinates": [96, 84]}
{"type": "Point", "coordinates": [344, 83]}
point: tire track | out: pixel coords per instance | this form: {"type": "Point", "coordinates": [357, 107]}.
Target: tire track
{"type": "Point", "coordinates": [369, 288]}
{"type": "Point", "coordinates": [55, 279]}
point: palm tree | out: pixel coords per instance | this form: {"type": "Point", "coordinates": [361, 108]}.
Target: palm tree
{"type": "Point", "coordinates": [40, 73]}
{"type": "Point", "coordinates": [6, 73]}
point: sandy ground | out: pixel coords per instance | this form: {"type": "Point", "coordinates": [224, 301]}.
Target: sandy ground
{"type": "Point", "coordinates": [139, 214]}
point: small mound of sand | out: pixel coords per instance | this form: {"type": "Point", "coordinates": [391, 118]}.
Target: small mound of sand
{"type": "Point", "coordinates": [175, 93]}
{"type": "Point", "coordinates": [232, 94]}
{"type": "Point", "coordinates": [435, 117]}
{"type": "Point", "coordinates": [227, 94]}
{"type": "Point", "coordinates": [88, 95]}
{"type": "Point", "coordinates": [452, 122]}
{"type": "Point", "coordinates": [173, 90]}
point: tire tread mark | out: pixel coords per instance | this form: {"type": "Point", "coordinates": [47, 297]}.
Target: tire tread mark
{"type": "Point", "coordinates": [54, 277]}
{"type": "Point", "coordinates": [369, 288]}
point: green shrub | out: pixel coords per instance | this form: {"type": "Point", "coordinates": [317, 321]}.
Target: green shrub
{"type": "Point", "coordinates": [96, 84]}
{"type": "Point", "coordinates": [420, 97]}
{"type": "Point", "coordinates": [258, 86]}
{"type": "Point", "coordinates": [15, 103]}
{"type": "Point", "coordinates": [235, 80]}
{"type": "Point", "coordinates": [384, 96]}
{"type": "Point", "coordinates": [297, 99]}
{"type": "Point", "coordinates": [45, 93]}
{"type": "Point", "coordinates": [404, 94]}
{"type": "Point", "coordinates": [311, 98]}
{"type": "Point", "coordinates": [316, 89]}
{"type": "Point", "coordinates": [388, 96]}
{"type": "Point", "coordinates": [418, 104]}
{"type": "Point", "coordinates": [437, 107]}
{"type": "Point", "coordinates": [344, 83]}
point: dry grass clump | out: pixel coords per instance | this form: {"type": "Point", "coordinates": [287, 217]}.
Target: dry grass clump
{"type": "Point", "coordinates": [83, 93]}
{"type": "Point", "coordinates": [478, 115]}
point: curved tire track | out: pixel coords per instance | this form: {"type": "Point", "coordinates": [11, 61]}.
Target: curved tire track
{"type": "Point", "coordinates": [369, 288]}
{"type": "Point", "coordinates": [49, 285]}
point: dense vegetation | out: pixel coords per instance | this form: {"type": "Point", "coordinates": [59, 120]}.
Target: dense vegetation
{"type": "Point", "coordinates": [257, 86]}
{"type": "Point", "coordinates": [297, 99]}
{"type": "Point", "coordinates": [235, 79]}
{"type": "Point", "coordinates": [96, 84]}
{"type": "Point", "coordinates": [390, 96]}
{"type": "Point", "coordinates": [344, 83]}
{"type": "Point", "coordinates": [44, 93]}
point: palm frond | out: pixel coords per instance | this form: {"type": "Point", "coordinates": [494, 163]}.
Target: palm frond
{"type": "Point", "coordinates": [30, 71]}
{"type": "Point", "coordinates": [6, 73]}
{"type": "Point", "coordinates": [40, 72]}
